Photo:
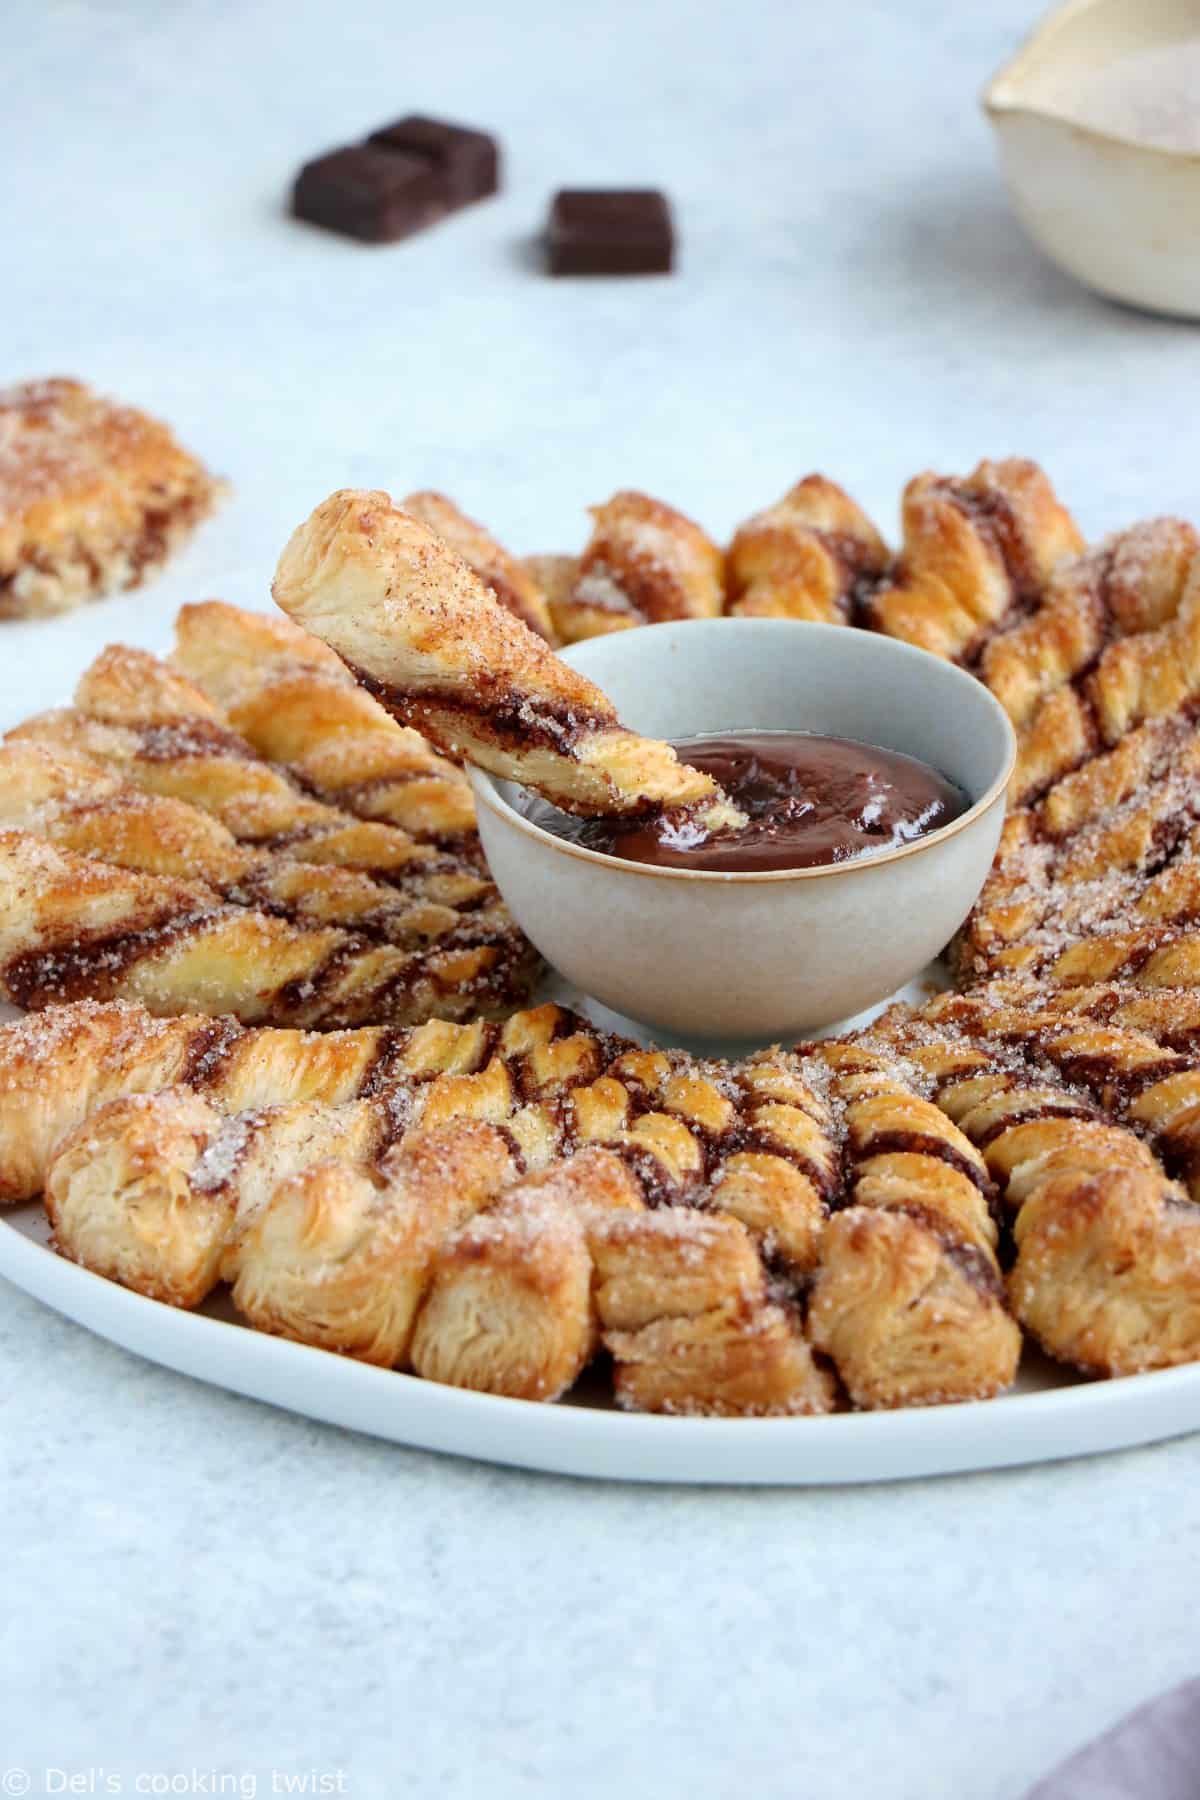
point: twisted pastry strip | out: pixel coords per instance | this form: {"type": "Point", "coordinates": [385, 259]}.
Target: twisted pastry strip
{"type": "Point", "coordinates": [439, 650]}
{"type": "Point", "coordinates": [1132, 583]}
{"type": "Point", "coordinates": [1155, 674]}
{"type": "Point", "coordinates": [509, 1308]}
{"type": "Point", "coordinates": [513, 582]}
{"type": "Point", "coordinates": [1136, 1078]}
{"type": "Point", "coordinates": [138, 718]}
{"type": "Point", "coordinates": [974, 550]}
{"type": "Point", "coordinates": [297, 704]}
{"type": "Point", "coordinates": [1103, 873]}
{"type": "Point", "coordinates": [1107, 1272]}
{"type": "Point", "coordinates": [524, 1294]}
{"type": "Point", "coordinates": [59, 1067]}
{"type": "Point", "coordinates": [156, 1190]}
{"type": "Point", "coordinates": [756, 1142]}
{"type": "Point", "coordinates": [678, 1296]}
{"type": "Point", "coordinates": [342, 1253]}
{"type": "Point", "coordinates": [644, 563]}
{"type": "Point", "coordinates": [370, 1258]}
{"type": "Point", "coordinates": [78, 805]}
{"type": "Point", "coordinates": [807, 557]}
{"type": "Point", "coordinates": [72, 928]}
{"type": "Point", "coordinates": [686, 1314]}
{"type": "Point", "coordinates": [908, 1299]}
{"type": "Point", "coordinates": [1170, 1017]}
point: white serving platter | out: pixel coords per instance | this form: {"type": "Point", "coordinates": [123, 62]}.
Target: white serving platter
{"type": "Point", "coordinates": [1048, 1415]}
{"type": "Point", "coordinates": [1043, 1419]}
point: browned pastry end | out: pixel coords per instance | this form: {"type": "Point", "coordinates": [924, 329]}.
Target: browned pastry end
{"type": "Point", "coordinates": [437, 647]}
{"type": "Point", "coordinates": [295, 702]}
{"type": "Point", "coordinates": [974, 550]}
{"type": "Point", "coordinates": [156, 1190]}
{"type": "Point", "coordinates": [806, 557]}
{"type": "Point", "coordinates": [341, 1254]}
{"type": "Point", "coordinates": [509, 1309]}
{"type": "Point", "coordinates": [684, 1309]}
{"type": "Point", "coordinates": [122, 1197]}
{"type": "Point", "coordinates": [61, 1066]}
{"type": "Point", "coordinates": [908, 1299]}
{"type": "Point", "coordinates": [644, 563]}
{"type": "Point", "coordinates": [1107, 1275]}
{"type": "Point", "coordinates": [1103, 1237]}
{"type": "Point", "coordinates": [1039, 668]}
{"type": "Point", "coordinates": [512, 581]}
{"type": "Point", "coordinates": [1154, 674]}
{"type": "Point", "coordinates": [908, 1319]}
{"type": "Point", "coordinates": [93, 497]}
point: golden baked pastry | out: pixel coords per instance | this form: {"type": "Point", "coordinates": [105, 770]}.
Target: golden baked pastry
{"type": "Point", "coordinates": [144, 777]}
{"type": "Point", "coordinates": [974, 551]}
{"type": "Point", "coordinates": [873, 1221]}
{"type": "Point", "coordinates": [256, 802]}
{"type": "Point", "coordinates": [908, 1299]}
{"type": "Point", "coordinates": [762, 1141]}
{"type": "Point", "coordinates": [1107, 1270]}
{"type": "Point", "coordinates": [810, 556]}
{"type": "Point", "coordinates": [643, 564]}
{"type": "Point", "coordinates": [137, 717]}
{"type": "Point", "coordinates": [93, 497]}
{"type": "Point", "coordinates": [72, 927]}
{"type": "Point", "coordinates": [83, 806]}
{"type": "Point", "coordinates": [1037, 668]}
{"type": "Point", "coordinates": [419, 628]}
{"type": "Point", "coordinates": [556, 576]}
{"type": "Point", "coordinates": [338, 1216]}
{"type": "Point", "coordinates": [156, 1190]}
{"type": "Point", "coordinates": [296, 704]}
{"type": "Point", "coordinates": [491, 1203]}
{"type": "Point", "coordinates": [513, 582]}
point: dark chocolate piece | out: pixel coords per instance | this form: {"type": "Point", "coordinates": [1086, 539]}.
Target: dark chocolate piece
{"type": "Point", "coordinates": [379, 196]}
{"type": "Point", "coordinates": [610, 231]}
{"type": "Point", "coordinates": [469, 161]}
{"type": "Point", "coordinates": [405, 177]}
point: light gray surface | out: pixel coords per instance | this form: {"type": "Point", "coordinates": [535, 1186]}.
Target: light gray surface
{"type": "Point", "coordinates": [192, 1581]}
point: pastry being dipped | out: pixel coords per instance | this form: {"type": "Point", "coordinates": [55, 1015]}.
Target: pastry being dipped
{"type": "Point", "coordinates": [439, 650]}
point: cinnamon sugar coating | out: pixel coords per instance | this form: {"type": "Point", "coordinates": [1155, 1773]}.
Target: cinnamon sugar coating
{"type": "Point", "coordinates": [810, 556]}
{"type": "Point", "coordinates": [514, 583]}
{"type": "Point", "coordinates": [93, 497]}
{"type": "Point", "coordinates": [490, 1204]}
{"type": "Point", "coordinates": [876, 1222]}
{"type": "Point", "coordinates": [644, 563]}
{"type": "Point", "coordinates": [440, 651]}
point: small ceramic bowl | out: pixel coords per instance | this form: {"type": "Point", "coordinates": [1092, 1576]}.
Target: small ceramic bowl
{"type": "Point", "coordinates": [706, 955]}
{"type": "Point", "coordinates": [1116, 212]}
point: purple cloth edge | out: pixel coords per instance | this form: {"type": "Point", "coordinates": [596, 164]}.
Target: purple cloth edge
{"type": "Point", "coordinates": [1152, 1753]}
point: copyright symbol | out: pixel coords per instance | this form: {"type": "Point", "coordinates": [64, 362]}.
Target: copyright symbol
{"type": "Point", "coordinates": [15, 1781]}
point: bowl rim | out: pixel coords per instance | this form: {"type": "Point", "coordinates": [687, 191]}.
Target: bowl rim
{"type": "Point", "coordinates": [1039, 44]}
{"type": "Point", "coordinates": [487, 793]}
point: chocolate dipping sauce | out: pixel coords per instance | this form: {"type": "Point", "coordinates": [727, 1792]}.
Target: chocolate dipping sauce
{"type": "Point", "coordinates": [810, 801]}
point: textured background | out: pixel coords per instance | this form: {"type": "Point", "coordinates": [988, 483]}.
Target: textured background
{"type": "Point", "coordinates": [194, 1582]}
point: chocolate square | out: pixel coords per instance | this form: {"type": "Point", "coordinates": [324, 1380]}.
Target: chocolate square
{"type": "Point", "coordinates": [610, 231]}
{"type": "Point", "coordinates": [469, 161]}
{"type": "Point", "coordinates": [377, 195]}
